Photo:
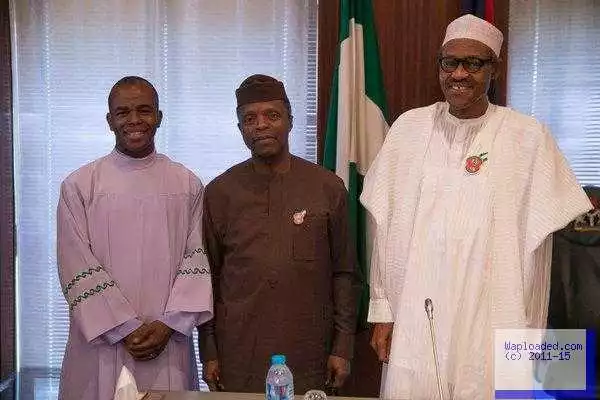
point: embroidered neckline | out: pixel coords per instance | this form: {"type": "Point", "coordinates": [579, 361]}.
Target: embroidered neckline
{"type": "Point", "coordinates": [491, 108]}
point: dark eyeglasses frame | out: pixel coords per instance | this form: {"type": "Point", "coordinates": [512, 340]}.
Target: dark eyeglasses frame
{"type": "Point", "coordinates": [466, 62]}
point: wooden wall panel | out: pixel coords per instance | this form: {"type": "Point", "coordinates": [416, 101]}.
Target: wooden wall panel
{"type": "Point", "coordinates": [410, 33]}
{"type": "Point", "coordinates": [502, 23]}
{"type": "Point", "coordinates": [328, 26]}
{"type": "Point", "coordinates": [7, 270]}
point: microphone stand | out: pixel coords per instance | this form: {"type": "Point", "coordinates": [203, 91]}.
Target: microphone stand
{"type": "Point", "coordinates": [429, 311]}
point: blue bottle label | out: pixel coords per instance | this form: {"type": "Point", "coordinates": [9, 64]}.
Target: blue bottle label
{"type": "Point", "coordinates": [284, 392]}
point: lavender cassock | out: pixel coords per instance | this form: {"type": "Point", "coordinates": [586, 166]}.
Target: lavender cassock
{"type": "Point", "coordinates": [130, 251]}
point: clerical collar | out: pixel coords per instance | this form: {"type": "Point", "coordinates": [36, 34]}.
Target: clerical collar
{"type": "Point", "coordinates": [128, 162]}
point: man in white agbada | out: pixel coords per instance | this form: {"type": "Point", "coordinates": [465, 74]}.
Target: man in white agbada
{"type": "Point", "coordinates": [464, 196]}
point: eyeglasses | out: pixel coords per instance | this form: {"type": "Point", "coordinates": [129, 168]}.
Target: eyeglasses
{"type": "Point", "coordinates": [470, 64]}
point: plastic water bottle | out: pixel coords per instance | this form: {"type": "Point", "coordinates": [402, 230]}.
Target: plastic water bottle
{"type": "Point", "coordinates": [279, 382]}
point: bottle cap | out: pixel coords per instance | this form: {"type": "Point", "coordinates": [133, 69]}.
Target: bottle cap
{"type": "Point", "coordinates": [277, 359]}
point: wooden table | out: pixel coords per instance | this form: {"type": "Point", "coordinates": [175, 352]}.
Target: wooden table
{"type": "Point", "coordinates": [225, 396]}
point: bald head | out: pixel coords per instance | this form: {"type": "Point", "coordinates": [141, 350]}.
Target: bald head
{"type": "Point", "coordinates": [128, 81]}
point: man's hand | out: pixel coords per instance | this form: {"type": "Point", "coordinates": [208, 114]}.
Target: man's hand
{"type": "Point", "coordinates": [338, 370]}
{"type": "Point", "coordinates": [381, 341]}
{"type": "Point", "coordinates": [135, 338]}
{"type": "Point", "coordinates": [212, 375]}
{"type": "Point", "coordinates": [148, 341]}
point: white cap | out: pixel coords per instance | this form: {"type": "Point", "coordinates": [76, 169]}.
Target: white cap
{"type": "Point", "coordinates": [470, 27]}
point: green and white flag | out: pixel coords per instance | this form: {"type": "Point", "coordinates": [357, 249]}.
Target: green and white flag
{"type": "Point", "coordinates": [356, 124]}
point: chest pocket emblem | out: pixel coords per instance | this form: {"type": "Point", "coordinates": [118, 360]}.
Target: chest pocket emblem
{"type": "Point", "coordinates": [298, 217]}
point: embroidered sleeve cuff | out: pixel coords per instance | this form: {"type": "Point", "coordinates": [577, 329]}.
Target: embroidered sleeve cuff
{"type": "Point", "coordinates": [343, 345]}
{"type": "Point", "coordinates": [380, 311]}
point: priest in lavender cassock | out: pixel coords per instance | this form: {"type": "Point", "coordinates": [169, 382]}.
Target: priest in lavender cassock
{"type": "Point", "coordinates": [464, 196]}
{"type": "Point", "coordinates": [130, 259]}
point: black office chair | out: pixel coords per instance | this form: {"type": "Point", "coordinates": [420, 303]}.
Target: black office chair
{"type": "Point", "coordinates": [575, 279]}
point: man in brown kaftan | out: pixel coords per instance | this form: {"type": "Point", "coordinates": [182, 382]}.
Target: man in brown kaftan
{"type": "Point", "coordinates": [283, 266]}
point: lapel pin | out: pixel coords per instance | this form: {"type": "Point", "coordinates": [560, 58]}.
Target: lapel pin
{"type": "Point", "coordinates": [474, 163]}
{"type": "Point", "coordinates": [298, 217]}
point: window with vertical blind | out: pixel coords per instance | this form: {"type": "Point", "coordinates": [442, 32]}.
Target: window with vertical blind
{"type": "Point", "coordinates": [554, 74]}
{"type": "Point", "coordinates": [68, 53]}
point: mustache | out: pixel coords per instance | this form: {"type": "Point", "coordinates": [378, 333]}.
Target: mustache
{"type": "Point", "coordinates": [464, 80]}
{"type": "Point", "coordinates": [262, 137]}
{"type": "Point", "coordinates": [464, 84]}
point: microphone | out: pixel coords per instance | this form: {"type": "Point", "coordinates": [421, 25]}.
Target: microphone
{"type": "Point", "coordinates": [429, 312]}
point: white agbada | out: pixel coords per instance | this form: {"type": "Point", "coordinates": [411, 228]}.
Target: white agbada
{"type": "Point", "coordinates": [476, 244]}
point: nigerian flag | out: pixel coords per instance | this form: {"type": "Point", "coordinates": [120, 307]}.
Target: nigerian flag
{"type": "Point", "coordinates": [356, 124]}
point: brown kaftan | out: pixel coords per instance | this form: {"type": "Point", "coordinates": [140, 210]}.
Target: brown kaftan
{"type": "Point", "coordinates": [280, 287]}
